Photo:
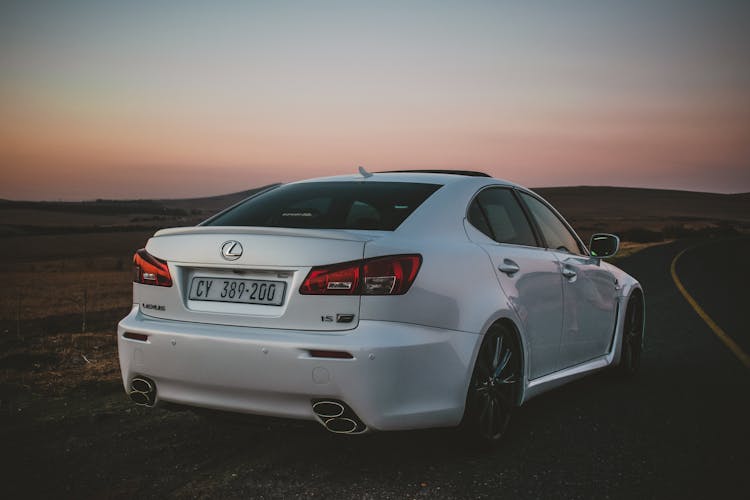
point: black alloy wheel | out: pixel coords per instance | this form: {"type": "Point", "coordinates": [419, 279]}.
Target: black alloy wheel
{"type": "Point", "coordinates": [632, 338]}
{"type": "Point", "coordinates": [494, 386]}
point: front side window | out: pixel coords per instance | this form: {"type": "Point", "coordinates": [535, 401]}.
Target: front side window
{"type": "Point", "coordinates": [555, 232]}
{"type": "Point", "coordinates": [379, 206]}
{"type": "Point", "coordinates": [497, 214]}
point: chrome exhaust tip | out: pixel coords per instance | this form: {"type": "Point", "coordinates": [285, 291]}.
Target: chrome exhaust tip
{"type": "Point", "coordinates": [142, 391]}
{"type": "Point", "coordinates": [341, 425]}
{"type": "Point", "coordinates": [337, 417]}
{"type": "Point", "coordinates": [328, 409]}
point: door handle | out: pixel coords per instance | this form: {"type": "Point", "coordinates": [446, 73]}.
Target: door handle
{"type": "Point", "coordinates": [569, 273]}
{"type": "Point", "coordinates": [508, 267]}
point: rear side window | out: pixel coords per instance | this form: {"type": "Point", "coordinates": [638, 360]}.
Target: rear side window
{"type": "Point", "coordinates": [381, 206]}
{"type": "Point", "coordinates": [497, 213]}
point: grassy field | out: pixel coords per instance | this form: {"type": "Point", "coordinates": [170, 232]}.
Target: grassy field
{"type": "Point", "coordinates": [57, 364]}
{"type": "Point", "coordinates": [66, 273]}
{"type": "Point", "coordinates": [46, 290]}
{"type": "Point", "coordinates": [66, 268]}
{"type": "Point", "coordinates": [57, 327]}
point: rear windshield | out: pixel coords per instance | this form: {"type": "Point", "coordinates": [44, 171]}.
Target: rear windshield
{"type": "Point", "coordinates": [380, 206]}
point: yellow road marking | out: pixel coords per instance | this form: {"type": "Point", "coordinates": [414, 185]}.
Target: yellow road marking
{"type": "Point", "coordinates": [726, 339]}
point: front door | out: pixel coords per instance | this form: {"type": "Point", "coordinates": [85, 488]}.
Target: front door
{"type": "Point", "coordinates": [528, 275]}
{"type": "Point", "coordinates": [590, 291]}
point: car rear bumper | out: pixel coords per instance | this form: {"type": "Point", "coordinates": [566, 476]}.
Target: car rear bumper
{"type": "Point", "coordinates": [400, 376]}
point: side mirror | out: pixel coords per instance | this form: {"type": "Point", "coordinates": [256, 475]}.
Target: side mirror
{"type": "Point", "coordinates": [604, 245]}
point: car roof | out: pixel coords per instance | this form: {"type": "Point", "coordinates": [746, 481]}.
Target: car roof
{"type": "Point", "coordinates": [427, 177]}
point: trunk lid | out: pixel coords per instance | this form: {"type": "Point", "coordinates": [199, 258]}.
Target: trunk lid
{"type": "Point", "coordinates": [218, 272]}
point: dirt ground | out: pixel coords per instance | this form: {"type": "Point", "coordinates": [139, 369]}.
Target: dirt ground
{"type": "Point", "coordinates": [68, 430]}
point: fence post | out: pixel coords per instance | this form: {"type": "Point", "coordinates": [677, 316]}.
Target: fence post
{"type": "Point", "coordinates": [85, 307]}
{"type": "Point", "coordinates": [18, 313]}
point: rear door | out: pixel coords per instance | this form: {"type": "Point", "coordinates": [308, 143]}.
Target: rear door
{"type": "Point", "coordinates": [529, 275]}
{"type": "Point", "coordinates": [590, 291]}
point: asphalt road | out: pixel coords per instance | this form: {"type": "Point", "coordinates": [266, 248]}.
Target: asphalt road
{"type": "Point", "coordinates": [678, 429]}
{"type": "Point", "coordinates": [716, 274]}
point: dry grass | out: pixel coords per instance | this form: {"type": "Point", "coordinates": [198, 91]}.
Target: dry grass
{"type": "Point", "coordinates": [42, 293]}
{"type": "Point", "coordinates": [53, 363]}
{"type": "Point", "coordinates": [46, 218]}
{"type": "Point", "coordinates": [38, 354]}
{"type": "Point", "coordinates": [49, 280]}
{"type": "Point", "coordinates": [56, 364]}
{"type": "Point", "coordinates": [40, 305]}
{"type": "Point", "coordinates": [18, 251]}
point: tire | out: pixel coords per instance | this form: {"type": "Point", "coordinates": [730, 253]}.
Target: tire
{"type": "Point", "coordinates": [493, 390]}
{"type": "Point", "coordinates": [631, 346]}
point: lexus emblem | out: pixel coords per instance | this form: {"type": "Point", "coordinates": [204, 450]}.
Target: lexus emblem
{"type": "Point", "coordinates": [231, 250]}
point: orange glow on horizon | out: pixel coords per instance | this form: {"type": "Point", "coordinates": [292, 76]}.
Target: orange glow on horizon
{"type": "Point", "coordinates": [93, 108]}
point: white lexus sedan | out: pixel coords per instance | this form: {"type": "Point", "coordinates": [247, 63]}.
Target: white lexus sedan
{"type": "Point", "coordinates": [394, 300]}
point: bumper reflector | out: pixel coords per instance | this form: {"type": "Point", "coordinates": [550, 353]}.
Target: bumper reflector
{"type": "Point", "coordinates": [135, 336]}
{"type": "Point", "coordinates": [316, 353]}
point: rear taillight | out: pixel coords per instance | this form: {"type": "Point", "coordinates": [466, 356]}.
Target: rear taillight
{"type": "Point", "coordinates": [391, 275]}
{"type": "Point", "coordinates": [148, 270]}
{"type": "Point", "coordinates": [337, 279]}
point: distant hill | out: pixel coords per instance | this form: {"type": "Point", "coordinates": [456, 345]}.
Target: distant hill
{"type": "Point", "coordinates": [59, 217]}
{"type": "Point", "coordinates": [635, 213]}
{"type": "Point", "coordinates": [140, 206]}
{"type": "Point", "coordinates": [648, 215]}
{"type": "Point", "coordinates": [213, 203]}
{"type": "Point", "coordinates": [619, 203]}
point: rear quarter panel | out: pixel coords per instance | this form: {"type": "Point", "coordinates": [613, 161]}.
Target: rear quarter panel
{"type": "Point", "coordinates": [455, 288]}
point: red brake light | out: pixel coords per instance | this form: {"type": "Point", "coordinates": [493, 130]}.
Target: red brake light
{"type": "Point", "coordinates": [391, 275]}
{"type": "Point", "coordinates": [148, 270]}
{"type": "Point", "coordinates": [338, 279]}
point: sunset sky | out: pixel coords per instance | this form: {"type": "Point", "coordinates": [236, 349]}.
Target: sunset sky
{"type": "Point", "coordinates": [132, 99]}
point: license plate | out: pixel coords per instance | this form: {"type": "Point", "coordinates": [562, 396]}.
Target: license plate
{"type": "Point", "coordinates": [269, 293]}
